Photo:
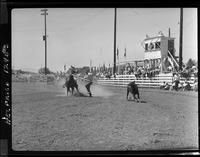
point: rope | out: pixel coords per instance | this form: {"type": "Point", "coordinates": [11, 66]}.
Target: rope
{"type": "Point", "coordinates": [81, 78]}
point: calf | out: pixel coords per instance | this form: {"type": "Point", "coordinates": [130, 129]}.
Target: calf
{"type": "Point", "coordinates": [133, 88]}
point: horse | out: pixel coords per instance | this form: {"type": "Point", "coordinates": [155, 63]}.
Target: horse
{"type": "Point", "coordinates": [133, 88]}
{"type": "Point", "coordinates": [70, 82]}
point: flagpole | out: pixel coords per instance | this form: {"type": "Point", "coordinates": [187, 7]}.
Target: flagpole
{"type": "Point", "coordinates": [118, 65]}
{"type": "Point", "coordinates": [181, 39]}
{"type": "Point", "coordinates": [125, 56]}
{"type": "Point", "coordinates": [118, 59]}
{"type": "Point", "coordinates": [115, 19]}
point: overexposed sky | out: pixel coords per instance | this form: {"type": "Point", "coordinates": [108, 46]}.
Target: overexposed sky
{"type": "Point", "coordinates": [78, 35]}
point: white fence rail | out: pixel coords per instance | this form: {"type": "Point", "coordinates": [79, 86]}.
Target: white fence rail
{"type": "Point", "coordinates": [120, 80]}
{"type": "Point", "coordinates": [154, 82]}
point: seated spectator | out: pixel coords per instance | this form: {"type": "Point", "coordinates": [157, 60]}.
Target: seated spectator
{"type": "Point", "coordinates": [148, 73]}
{"type": "Point", "coordinates": [167, 86]}
{"type": "Point", "coordinates": [108, 76]}
{"type": "Point", "coordinates": [195, 87]}
{"type": "Point", "coordinates": [186, 86]}
{"type": "Point", "coordinates": [173, 86]}
{"type": "Point", "coordinates": [176, 81]}
{"type": "Point", "coordinates": [180, 86]}
{"type": "Point", "coordinates": [162, 86]}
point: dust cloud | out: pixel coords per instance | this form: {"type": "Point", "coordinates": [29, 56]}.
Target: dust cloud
{"type": "Point", "coordinates": [96, 89]}
{"type": "Point", "coordinates": [62, 91]}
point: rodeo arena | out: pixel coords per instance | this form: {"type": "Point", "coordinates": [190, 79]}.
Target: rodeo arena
{"type": "Point", "coordinates": [94, 108]}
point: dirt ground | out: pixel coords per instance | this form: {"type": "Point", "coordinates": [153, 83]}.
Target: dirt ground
{"type": "Point", "coordinates": [45, 119]}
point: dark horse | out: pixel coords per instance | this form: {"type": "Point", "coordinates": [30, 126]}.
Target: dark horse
{"type": "Point", "coordinates": [70, 82]}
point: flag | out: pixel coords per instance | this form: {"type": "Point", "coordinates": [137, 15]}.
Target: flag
{"type": "Point", "coordinates": [125, 53]}
{"type": "Point", "coordinates": [44, 37]}
{"type": "Point", "coordinates": [117, 53]}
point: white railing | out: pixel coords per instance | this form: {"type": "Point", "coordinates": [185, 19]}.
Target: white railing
{"type": "Point", "coordinates": [154, 82]}
{"type": "Point", "coordinates": [120, 80]}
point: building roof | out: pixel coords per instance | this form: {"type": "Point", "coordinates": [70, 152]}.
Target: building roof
{"type": "Point", "coordinates": [149, 38]}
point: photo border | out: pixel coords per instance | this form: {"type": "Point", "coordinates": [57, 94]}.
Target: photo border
{"type": "Point", "coordinates": [6, 71]}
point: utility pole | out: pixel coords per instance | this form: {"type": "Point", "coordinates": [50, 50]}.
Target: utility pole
{"type": "Point", "coordinates": [45, 37]}
{"type": "Point", "coordinates": [115, 21]}
{"type": "Point", "coordinates": [181, 39]}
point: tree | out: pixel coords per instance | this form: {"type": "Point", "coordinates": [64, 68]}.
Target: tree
{"type": "Point", "coordinates": [84, 69]}
{"type": "Point", "coordinates": [190, 63]}
{"type": "Point", "coordinates": [42, 71]}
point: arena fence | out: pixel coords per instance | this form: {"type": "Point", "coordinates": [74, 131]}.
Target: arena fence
{"type": "Point", "coordinates": [154, 82]}
{"type": "Point", "coordinates": [49, 79]}
{"type": "Point", "coordinates": [120, 80]}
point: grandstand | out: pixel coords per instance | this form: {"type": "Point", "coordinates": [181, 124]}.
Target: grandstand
{"type": "Point", "coordinates": [159, 65]}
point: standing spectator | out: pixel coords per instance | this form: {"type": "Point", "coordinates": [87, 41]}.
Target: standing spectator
{"type": "Point", "coordinates": [176, 80]}
{"type": "Point", "coordinates": [186, 86]}
{"type": "Point", "coordinates": [139, 71]}
{"type": "Point", "coordinates": [195, 87]}
{"type": "Point", "coordinates": [162, 86]}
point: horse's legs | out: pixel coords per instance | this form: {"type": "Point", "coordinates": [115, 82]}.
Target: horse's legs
{"type": "Point", "coordinates": [87, 87]}
{"type": "Point", "coordinates": [127, 93]}
{"type": "Point", "coordinates": [77, 89]}
{"type": "Point", "coordinates": [67, 90]}
{"type": "Point", "coordinates": [72, 90]}
{"type": "Point", "coordinates": [134, 96]}
{"type": "Point", "coordinates": [138, 95]}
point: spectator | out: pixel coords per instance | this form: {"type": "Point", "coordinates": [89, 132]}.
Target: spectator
{"type": "Point", "coordinates": [176, 80]}
{"type": "Point", "coordinates": [186, 86]}
{"type": "Point", "coordinates": [162, 86]}
{"type": "Point", "coordinates": [167, 86]}
{"type": "Point", "coordinates": [195, 87]}
{"type": "Point", "coordinates": [180, 86]}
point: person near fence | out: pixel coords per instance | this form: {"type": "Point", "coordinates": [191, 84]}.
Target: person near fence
{"type": "Point", "coordinates": [167, 86]}
{"type": "Point", "coordinates": [162, 86]}
{"type": "Point", "coordinates": [186, 86]}
{"type": "Point", "coordinates": [195, 86]}
{"type": "Point", "coordinates": [176, 79]}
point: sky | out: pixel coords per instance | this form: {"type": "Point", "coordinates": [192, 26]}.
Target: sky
{"type": "Point", "coordinates": [77, 36]}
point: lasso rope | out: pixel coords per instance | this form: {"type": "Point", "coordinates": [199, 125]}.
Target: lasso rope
{"type": "Point", "coordinates": [81, 78]}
